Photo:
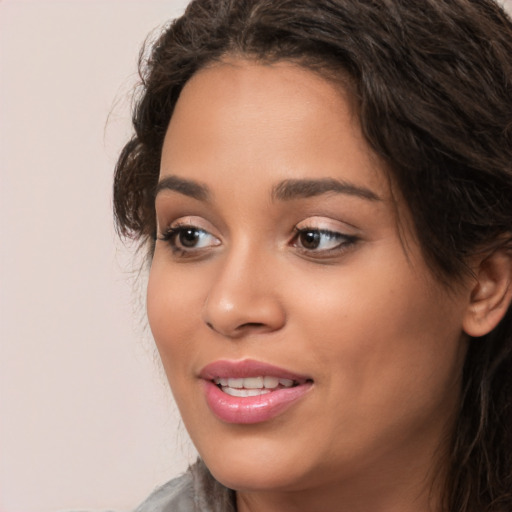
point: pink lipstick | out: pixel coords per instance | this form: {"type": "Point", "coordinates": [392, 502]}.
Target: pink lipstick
{"type": "Point", "coordinates": [251, 391]}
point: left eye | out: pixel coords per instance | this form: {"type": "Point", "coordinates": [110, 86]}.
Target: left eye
{"type": "Point", "coordinates": [186, 238]}
{"type": "Point", "coordinates": [192, 237]}
{"type": "Point", "coordinates": [321, 239]}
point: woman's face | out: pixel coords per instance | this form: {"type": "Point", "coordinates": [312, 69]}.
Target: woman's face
{"type": "Point", "coordinates": [284, 264]}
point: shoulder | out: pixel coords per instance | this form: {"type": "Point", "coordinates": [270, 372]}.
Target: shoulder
{"type": "Point", "coordinates": [174, 496]}
{"type": "Point", "coordinates": [195, 491]}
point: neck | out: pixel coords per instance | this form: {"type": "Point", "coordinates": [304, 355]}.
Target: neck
{"type": "Point", "coordinates": [399, 484]}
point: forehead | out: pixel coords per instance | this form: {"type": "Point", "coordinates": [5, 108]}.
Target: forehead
{"type": "Point", "coordinates": [267, 121]}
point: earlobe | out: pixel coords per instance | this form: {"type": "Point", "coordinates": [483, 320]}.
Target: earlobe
{"type": "Point", "coordinates": [491, 294]}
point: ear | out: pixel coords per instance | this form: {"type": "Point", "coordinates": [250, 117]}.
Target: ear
{"type": "Point", "coordinates": [491, 293]}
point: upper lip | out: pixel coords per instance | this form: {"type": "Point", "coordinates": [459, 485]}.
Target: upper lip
{"type": "Point", "coordinates": [247, 368]}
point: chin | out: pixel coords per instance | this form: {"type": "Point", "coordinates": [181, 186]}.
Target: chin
{"type": "Point", "coordinates": [262, 466]}
{"type": "Point", "coordinates": [254, 477]}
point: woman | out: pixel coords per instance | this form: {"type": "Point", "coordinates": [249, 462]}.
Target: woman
{"type": "Point", "coordinates": [324, 189]}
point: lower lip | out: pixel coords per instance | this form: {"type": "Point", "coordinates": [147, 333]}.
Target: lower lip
{"type": "Point", "coordinates": [252, 409]}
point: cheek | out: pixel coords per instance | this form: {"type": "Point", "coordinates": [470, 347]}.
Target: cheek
{"type": "Point", "coordinates": [174, 304]}
{"type": "Point", "coordinates": [385, 333]}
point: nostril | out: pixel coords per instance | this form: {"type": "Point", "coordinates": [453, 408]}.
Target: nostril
{"type": "Point", "coordinates": [251, 325]}
{"type": "Point", "coordinates": [239, 330]}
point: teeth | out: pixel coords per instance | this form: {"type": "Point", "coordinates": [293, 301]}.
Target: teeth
{"type": "Point", "coordinates": [236, 383]}
{"type": "Point", "coordinates": [287, 383]}
{"type": "Point", "coordinates": [245, 392]}
{"type": "Point", "coordinates": [271, 382]}
{"type": "Point", "coordinates": [253, 383]}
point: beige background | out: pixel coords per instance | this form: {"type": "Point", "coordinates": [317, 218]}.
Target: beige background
{"type": "Point", "coordinates": [86, 421]}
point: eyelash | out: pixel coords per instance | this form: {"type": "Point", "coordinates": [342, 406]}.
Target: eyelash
{"type": "Point", "coordinates": [171, 235]}
{"type": "Point", "coordinates": [344, 241]}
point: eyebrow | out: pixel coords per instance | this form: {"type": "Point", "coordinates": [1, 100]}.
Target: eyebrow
{"type": "Point", "coordinates": [283, 191]}
{"type": "Point", "coordinates": [183, 186]}
{"type": "Point", "coordinates": [295, 189]}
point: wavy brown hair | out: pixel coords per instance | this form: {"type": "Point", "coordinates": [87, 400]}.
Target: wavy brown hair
{"type": "Point", "coordinates": [432, 85]}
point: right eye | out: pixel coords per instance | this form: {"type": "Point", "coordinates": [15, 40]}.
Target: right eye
{"type": "Point", "coordinates": [187, 239]}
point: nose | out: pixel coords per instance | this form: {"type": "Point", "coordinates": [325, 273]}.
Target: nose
{"type": "Point", "coordinates": [243, 298]}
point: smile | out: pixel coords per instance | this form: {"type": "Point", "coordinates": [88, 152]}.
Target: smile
{"type": "Point", "coordinates": [249, 391]}
{"type": "Point", "coordinates": [252, 386]}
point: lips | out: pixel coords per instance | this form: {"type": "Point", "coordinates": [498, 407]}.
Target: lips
{"type": "Point", "coordinates": [251, 391]}
{"type": "Point", "coordinates": [252, 386]}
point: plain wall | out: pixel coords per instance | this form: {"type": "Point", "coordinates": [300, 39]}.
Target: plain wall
{"type": "Point", "coordinates": [86, 420]}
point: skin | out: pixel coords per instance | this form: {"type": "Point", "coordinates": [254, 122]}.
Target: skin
{"type": "Point", "coordinates": [361, 314]}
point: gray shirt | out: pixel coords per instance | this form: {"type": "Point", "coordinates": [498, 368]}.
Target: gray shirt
{"type": "Point", "coordinates": [195, 491]}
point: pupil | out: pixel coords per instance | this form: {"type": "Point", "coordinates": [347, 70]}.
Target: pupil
{"type": "Point", "coordinates": [189, 237]}
{"type": "Point", "coordinates": [310, 239]}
